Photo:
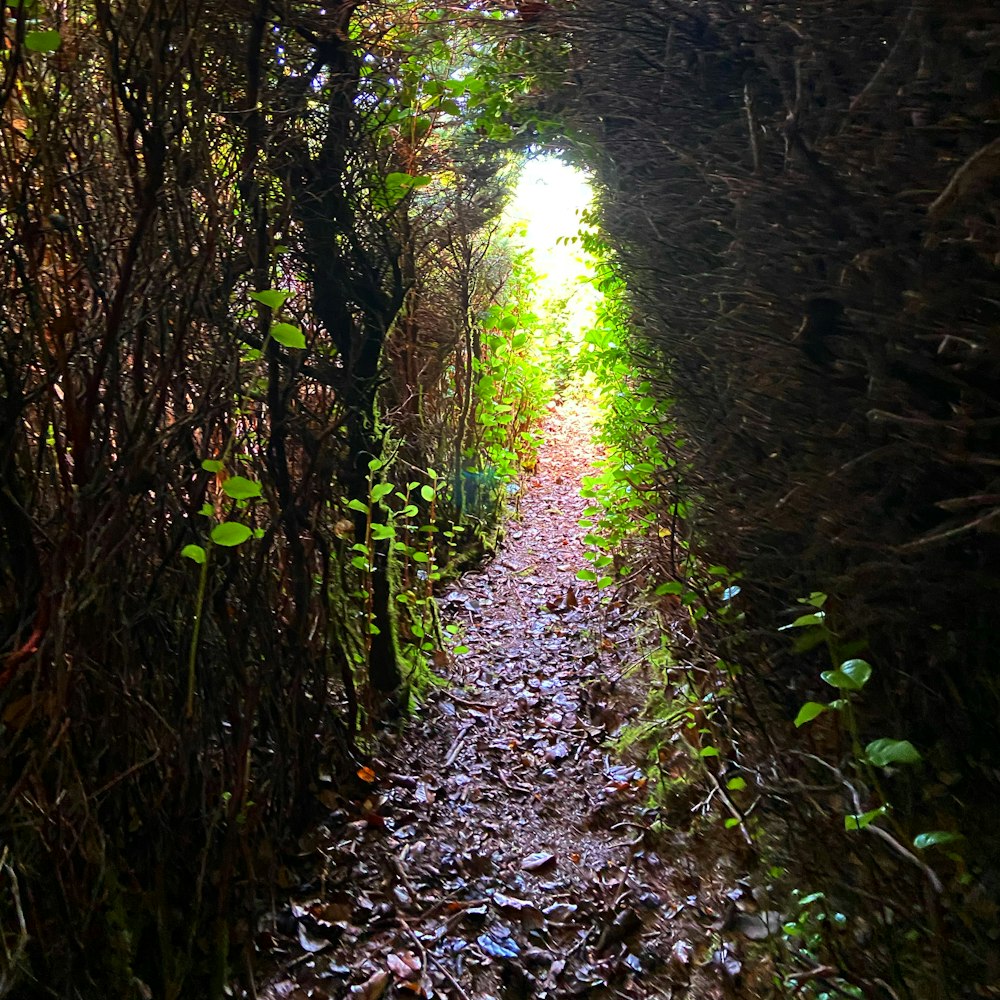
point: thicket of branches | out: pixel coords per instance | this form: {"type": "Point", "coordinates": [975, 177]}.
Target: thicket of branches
{"type": "Point", "coordinates": [803, 200]}
{"type": "Point", "coordinates": [165, 719]}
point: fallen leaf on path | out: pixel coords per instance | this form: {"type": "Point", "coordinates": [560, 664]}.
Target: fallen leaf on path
{"type": "Point", "coordinates": [625, 924]}
{"type": "Point", "coordinates": [726, 962]}
{"type": "Point", "coordinates": [415, 986]}
{"type": "Point", "coordinates": [681, 952]}
{"type": "Point", "coordinates": [406, 965]}
{"type": "Point", "coordinates": [373, 987]}
{"type": "Point", "coordinates": [757, 926]}
{"type": "Point", "coordinates": [310, 943]}
{"type": "Point", "coordinates": [510, 902]}
{"type": "Point", "coordinates": [538, 861]}
{"type": "Point", "coordinates": [504, 948]}
{"type": "Point", "coordinates": [560, 911]}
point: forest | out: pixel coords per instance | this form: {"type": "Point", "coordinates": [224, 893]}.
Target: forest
{"type": "Point", "coordinates": [383, 615]}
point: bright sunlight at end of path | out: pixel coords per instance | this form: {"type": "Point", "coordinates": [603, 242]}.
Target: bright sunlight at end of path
{"type": "Point", "coordinates": [547, 204]}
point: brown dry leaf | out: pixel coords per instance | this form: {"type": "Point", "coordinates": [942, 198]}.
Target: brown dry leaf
{"type": "Point", "coordinates": [331, 799]}
{"type": "Point", "coordinates": [414, 986]}
{"type": "Point", "coordinates": [405, 964]}
{"type": "Point", "coordinates": [366, 774]}
{"type": "Point", "coordinates": [373, 988]}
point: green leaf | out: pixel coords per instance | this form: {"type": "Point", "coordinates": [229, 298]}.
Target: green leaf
{"type": "Point", "coordinates": [586, 574]}
{"type": "Point", "coordinates": [240, 488]}
{"type": "Point", "coordinates": [852, 675]}
{"type": "Point", "coordinates": [427, 492]}
{"type": "Point", "coordinates": [194, 552]}
{"type": "Point", "coordinates": [708, 752]}
{"type": "Point", "coordinates": [230, 533]}
{"type": "Point", "coordinates": [669, 588]}
{"type": "Point", "coordinates": [817, 599]}
{"type": "Point", "coordinates": [731, 822]}
{"type": "Point", "coordinates": [42, 41]}
{"type": "Point", "coordinates": [420, 557]}
{"type": "Point", "coordinates": [382, 531]}
{"type": "Point", "coordinates": [271, 298]}
{"type": "Point", "coordinates": [406, 181]}
{"type": "Point", "coordinates": [858, 670]}
{"type": "Point", "coordinates": [933, 838]}
{"type": "Point", "coordinates": [212, 465]}
{"type": "Point", "coordinates": [459, 650]}
{"type": "Point", "coordinates": [736, 784]}
{"type": "Point", "coordinates": [808, 712]}
{"type": "Point", "coordinates": [854, 822]}
{"type": "Point", "coordinates": [885, 752]}
{"type": "Point", "coordinates": [288, 335]}
{"type": "Point", "coordinates": [207, 510]}
{"type": "Point", "coordinates": [804, 621]}
{"type": "Point", "coordinates": [359, 505]}
{"type": "Point", "coordinates": [380, 491]}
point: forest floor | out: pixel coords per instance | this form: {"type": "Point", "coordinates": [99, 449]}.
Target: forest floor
{"type": "Point", "coordinates": [505, 850]}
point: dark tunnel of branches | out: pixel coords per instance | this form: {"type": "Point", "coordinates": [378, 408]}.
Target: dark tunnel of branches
{"type": "Point", "coordinates": [253, 264]}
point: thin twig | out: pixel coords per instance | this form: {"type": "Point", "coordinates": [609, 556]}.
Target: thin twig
{"type": "Point", "coordinates": [437, 963]}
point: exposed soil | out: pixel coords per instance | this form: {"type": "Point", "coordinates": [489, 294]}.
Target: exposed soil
{"type": "Point", "coordinates": [505, 851]}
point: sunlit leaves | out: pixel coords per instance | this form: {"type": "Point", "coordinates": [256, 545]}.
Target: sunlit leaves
{"type": "Point", "coordinates": [809, 711]}
{"type": "Point", "coordinates": [397, 186]}
{"type": "Point", "coordinates": [886, 752]}
{"type": "Point", "coordinates": [860, 821]}
{"type": "Point", "coordinates": [852, 675]}
{"type": "Point", "coordinates": [288, 335]}
{"type": "Point", "coordinates": [240, 488]}
{"type": "Point", "coordinates": [42, 41]}
{"type": "Point", "coordinates": [230, 533]}
{"type": "Point", "coordinates": [935, 838]}
{"type": "Point", "coordinates": [803, 621]}
{"type": "Point", "coordinates": [270, 297]}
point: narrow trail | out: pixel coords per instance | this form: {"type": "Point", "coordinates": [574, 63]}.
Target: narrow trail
{"type": "Point", "coordinates": [505, 851]}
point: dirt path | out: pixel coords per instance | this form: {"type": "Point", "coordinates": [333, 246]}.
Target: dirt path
{"type": "Point", "coordinates": [505, 851]}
